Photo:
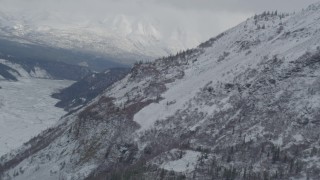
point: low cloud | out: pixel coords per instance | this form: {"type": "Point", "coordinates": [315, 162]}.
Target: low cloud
{"type": "Point", "coordinates": [202, 18]}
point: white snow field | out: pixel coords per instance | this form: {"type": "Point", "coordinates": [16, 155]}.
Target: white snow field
{"type": "Point", "coordinates": [186, 163]}
{"type": "Point", "coordinates": [26, 109]}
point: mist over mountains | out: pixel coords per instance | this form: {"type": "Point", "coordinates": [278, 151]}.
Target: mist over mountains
{"type": "Point", "coordinates": [242, 105]}
{"type": "Point", "coordinates": [122, 38]}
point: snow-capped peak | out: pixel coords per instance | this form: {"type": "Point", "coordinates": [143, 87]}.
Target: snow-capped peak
{"type": "Point", "coordinates": [314, 6]}
{"type": "Point", "coordinates": [122, 25]}
{"type": "Point", "coordinates": [121, 36]}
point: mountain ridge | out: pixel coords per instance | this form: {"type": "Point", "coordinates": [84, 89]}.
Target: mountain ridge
{"type": "Point", "coordinates": [119, 37]}
{"type": "Point", "coordinates": [243, 105]}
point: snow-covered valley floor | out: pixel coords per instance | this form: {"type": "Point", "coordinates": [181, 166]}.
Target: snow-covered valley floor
{"type": "Point", "coordinates": [26, 109]}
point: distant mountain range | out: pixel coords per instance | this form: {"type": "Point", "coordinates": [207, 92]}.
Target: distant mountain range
{"type": "Point", "coordinates": [120, 38]}
{"type": "Point", "coordinates": [242, 105]}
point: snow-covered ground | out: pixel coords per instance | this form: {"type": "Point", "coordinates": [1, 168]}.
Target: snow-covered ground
{"type": "Point", "coordinates": [245, 90]}
{"type": "Point", "coordinates": [186, 163]}
{"type": "Point", "coordinates": [26, 109]}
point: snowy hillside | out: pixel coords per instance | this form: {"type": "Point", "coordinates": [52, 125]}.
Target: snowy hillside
{"type": "Point", "coordinates": [14, 71]}
{"type": "Point", "coordinates": [243, 105]}
{"type": "Point", "coordinates": [120, 37]}
{"type": "Point", "coordinates": [13, 68]}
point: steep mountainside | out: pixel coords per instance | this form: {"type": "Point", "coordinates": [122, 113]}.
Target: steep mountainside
{"type": "Point", "coordinates": [80, 93]}
{"type": "Point", "coordinates": [243, 105]}
{"type": "Point", "coordinates": [14, 68]}
{"type": "Point", "coordinates": [26, 103]}
{"type": "Point", "coordinates": [29, 52]}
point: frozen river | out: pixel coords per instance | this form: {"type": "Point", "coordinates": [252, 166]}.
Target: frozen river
{"type": "Point", "coordinates": [26, 109]}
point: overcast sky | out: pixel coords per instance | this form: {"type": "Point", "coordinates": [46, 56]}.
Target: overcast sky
{"type": "Point", "coordinates": [203, 17]}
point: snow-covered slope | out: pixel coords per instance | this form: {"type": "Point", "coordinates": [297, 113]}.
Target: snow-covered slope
{"type": "Point", "coordinates": [243, 105]}
{"type": "Point", "coordinates": [13, 68]}
{"type": "Point", "coordinates": [120, 37]}
{"type": "Point", "coordinates": [15, 71]}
